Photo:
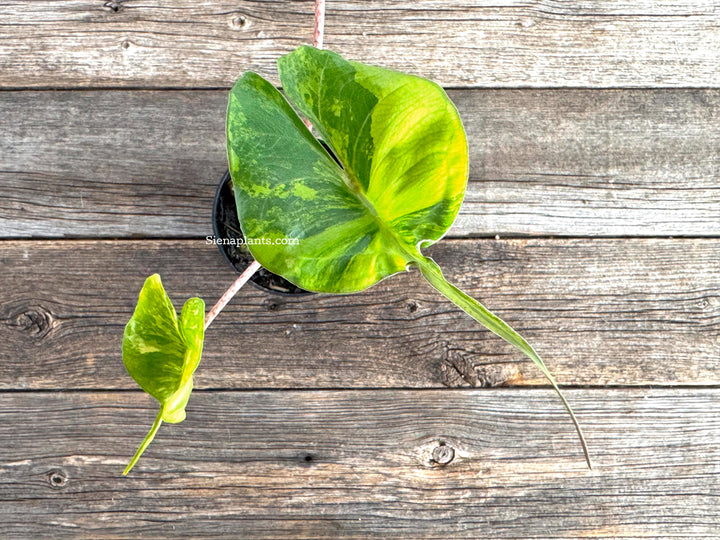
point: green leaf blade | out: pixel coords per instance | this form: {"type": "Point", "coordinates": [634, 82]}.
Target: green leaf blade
{"type": "Point", "coordinates": [404, 157]}
{"type": "Point", "coordinates": [153, 350]}
{"type": "Point", "coordinates": [289, 189]}
{"type": "Point", "coordinates": [404, 172]}
{"type": "Point", "coordinates": [192, 328]}
{"type": "Point", "coordinates": [162, 351]}
{"type": "Point", "coordinates": [398, 135]}
{"type": "Point", "coordinates": [311, 82]}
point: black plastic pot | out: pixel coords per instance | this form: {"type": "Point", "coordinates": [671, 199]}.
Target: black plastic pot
{"type": "Point", "coordinates": [229, 238]}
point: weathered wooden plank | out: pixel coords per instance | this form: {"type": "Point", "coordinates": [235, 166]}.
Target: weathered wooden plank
{"type": "Point", "coordinates": [554, 162]}
{"type": "Point", "coordinates": [359, 464]}
{"type": "Point", "coordinates": [601, 312]}
{"type": "Point", "coordinates": [185, 43]}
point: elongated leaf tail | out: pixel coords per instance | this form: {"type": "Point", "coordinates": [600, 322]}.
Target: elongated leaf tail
{"type": "Point", "coordinates": [146, 441]}
{"type": "Point", "coordinates": [431, 271]}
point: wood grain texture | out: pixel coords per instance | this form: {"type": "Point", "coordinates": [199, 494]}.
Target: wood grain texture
{"type": "Point", "coordinates": [359, 464]}
{"type": "Point", "coordinates": [514, 43]}
{"type": "Point", "coordinates": [543, 162]}
{"type": "Point", "coordinates": [352, 416]}
{"type": "Point", "coordinates": [601, 312]}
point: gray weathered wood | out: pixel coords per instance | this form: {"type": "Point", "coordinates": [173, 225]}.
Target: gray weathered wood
{"type": "Point", "coordinates": [625, 311]}
{"type": "Point", "coordinates": [330, 416]}
{"type": "Point", "coordinates": [185, 43]}
{"type": "Point", "coordinates": [558, 162]}
{"type": "Point", "coordinates": [359, 464]}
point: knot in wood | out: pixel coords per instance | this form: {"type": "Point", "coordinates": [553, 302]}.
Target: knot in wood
{"type": "Point", "coordinates": [238, 23]}
{"type": "Point", "coordinates": [113, 5]}
{"type": "Point", "coordinates": [272, 304]}
{"type": "Point", "coordinates": [443, 454]}
{"type": "Point", "coordinates": [57, 478]}
{"type": "Point", "coordinates": [36, 321]}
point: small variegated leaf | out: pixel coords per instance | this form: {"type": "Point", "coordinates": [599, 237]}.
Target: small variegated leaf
{"type": "Point", "coordinates": [162, 351]}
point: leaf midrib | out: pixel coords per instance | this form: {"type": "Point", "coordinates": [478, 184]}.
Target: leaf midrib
{"type": "Point", "coordinates": [409, 253]}
{"type": "Point", "coordinates": [352, 182]}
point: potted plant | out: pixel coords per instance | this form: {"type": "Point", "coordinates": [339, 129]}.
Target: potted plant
{"type": "Point", "coordinates": [326, 222]}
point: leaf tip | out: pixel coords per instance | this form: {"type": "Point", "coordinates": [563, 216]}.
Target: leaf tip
{"type": "Point", "coordinates": [153, 280]}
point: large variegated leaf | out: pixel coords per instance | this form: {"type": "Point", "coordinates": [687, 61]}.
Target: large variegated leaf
{"type": "Point", "coordinates": [404, 169]}
{"type": "Point", "coordinates": [341, 229]}
{"type": "Point", "coordinates": [162, 351]}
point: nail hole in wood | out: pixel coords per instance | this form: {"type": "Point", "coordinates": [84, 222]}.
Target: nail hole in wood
{"type": "Point", "coordinates": [306, 459]}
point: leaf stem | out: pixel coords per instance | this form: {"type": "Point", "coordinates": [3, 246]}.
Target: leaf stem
{"type": "Point", "coordinates": [319, 31]}
{"type": "Point", "coordinates": [232, 291]}
{"type": "Point", "coordinates": [146, 441]}
{"type": "Point", "coordinates": [318, 37]}
{"type": "Point", "coordinates": [431, 271]}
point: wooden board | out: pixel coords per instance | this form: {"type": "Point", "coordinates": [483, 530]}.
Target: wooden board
{"type": "Point", "coordinates": [601, 312]}
{"type": "Point", "coordinates": [593, 130]}
{"type": "Point", "coordinates": [514, 43]}
{"type": "Point", "coordinates": [359, 464]}
{"type": "Point", "coordinates": [552, 162]}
